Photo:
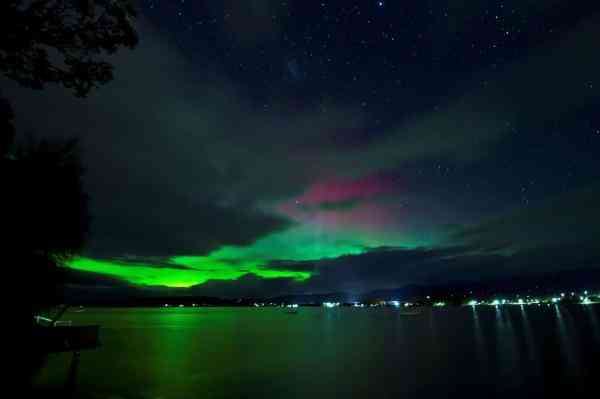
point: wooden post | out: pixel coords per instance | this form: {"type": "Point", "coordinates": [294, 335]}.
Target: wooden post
{"type": "Point", "coordinates": [71, 383]}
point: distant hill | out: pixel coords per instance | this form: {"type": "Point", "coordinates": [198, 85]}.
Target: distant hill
{"type": "Point", "coordinates": [456, 291]}
{"type": "Point", "coordinates": [537, 284]}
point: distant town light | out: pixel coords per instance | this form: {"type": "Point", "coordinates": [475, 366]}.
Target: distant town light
{"type": "Point", "coordinates": [586, 301]}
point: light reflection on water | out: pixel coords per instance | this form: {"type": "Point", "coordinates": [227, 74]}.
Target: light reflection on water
{"type": "Point", "coordinates": [593, 322]}
{"type": "Point", "coordinates": [317, 353]}
{"type": "Point", "coordinates": [482, 354]}
{"type": "Point", "coordinates": [568, 341]}
{"type": "Point", "coordinates": [508, 361]}
{"type": "Point", "coordinates": [532, 356]}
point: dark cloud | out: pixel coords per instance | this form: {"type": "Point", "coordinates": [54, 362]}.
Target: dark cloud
{"type": "Point", "coordinates": [178, 228]}
{"type": "Point", "coordinates": [179, 161]}
{"type": "Point", "coordinates": [562, 233]}
{"type": "Point", "coordinates": [80, 280]}
{"type": "Point", "coordinates": [133, 261]}
{"type": "Point", "coordinates": [164, 170]}
{"type": "Point", "coordinates": [298, 266]}
{"type": "Point", "coordinates": [484, 252]}
{"type": "Point", "coordinates": [569, 219]}
{"type": "Point", "coordinates": [531, 91]}
{"type": "Point", "coordinates": [344, 205]}
{"type": "Point", "coordinates": [248, 286]}
{"type": "Point", "coordinates": [395, 268]}
{"type": "Point", "coordinates": [382, 268]}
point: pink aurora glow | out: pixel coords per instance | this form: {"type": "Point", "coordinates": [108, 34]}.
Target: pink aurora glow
{"type": "Point", "coordinates": [342, 203]}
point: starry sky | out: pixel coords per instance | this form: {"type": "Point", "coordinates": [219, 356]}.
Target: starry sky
{"type": "Point", "coordinates": [263, 147]}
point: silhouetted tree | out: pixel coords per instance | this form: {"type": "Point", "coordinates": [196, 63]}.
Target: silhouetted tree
{"type": "Point", "coordinates": [44, 208]}
{"type": "Point", "coordinates": [62, 41]}
{"type": "Point", "coordinates": [44, 222]}
{"type": "Point", "coordinates": [7, 128]}
{"type": "Point", "coordinates": [46, 184]}
{"type": "Point", "coordinates": [45, 215]}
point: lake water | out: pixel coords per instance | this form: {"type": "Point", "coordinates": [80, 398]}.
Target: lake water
{"type": "Point", "coordinates": [344, 352]}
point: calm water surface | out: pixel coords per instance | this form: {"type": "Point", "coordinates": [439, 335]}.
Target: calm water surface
{"type": "Point", "coordinates": [344, 352]}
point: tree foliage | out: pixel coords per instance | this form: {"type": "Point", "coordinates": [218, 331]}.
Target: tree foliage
{"type": "Point", "coordinates": [46, 186]}
{"type": "Point", "coordinates": [7, 128]}
{"type": "Point", "coordinates": [63, 41]}
{"type": "Point", "coordinates": [44, 206]}
{"type": "Point", "coordinates": [45, 217]}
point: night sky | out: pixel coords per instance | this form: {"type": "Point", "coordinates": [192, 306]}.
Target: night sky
{"type": "Point", "coordinates": [266, 147]}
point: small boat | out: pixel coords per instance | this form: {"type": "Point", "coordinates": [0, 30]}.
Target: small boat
{"type": "Point", "coordinates": [54, 335]}
{"type": "Point", "coordinates": [291, 308]}
{"type": "Point", "coordinates": [410, 313]}
{"type": "Point", "coordinates": [51, 335]}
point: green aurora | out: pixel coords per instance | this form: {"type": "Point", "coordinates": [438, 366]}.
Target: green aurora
{"type": "Point", "coordinates": [303, 243]}
{"type": "Point", "coordinates": [148, 275]}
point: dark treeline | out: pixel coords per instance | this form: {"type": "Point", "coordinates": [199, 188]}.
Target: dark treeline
{"type": "Point", "coordinates": [453, 293]}
{"type": "Point", "coordinates": [44, 208]}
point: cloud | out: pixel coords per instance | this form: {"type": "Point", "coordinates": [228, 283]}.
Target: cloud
{"type": "Point", "coordinates": [338, 205]}
{"type": "Point", "coordinates": [248, 286]}
{"type": "Point", "coordinates": [179, 161]}
{"type": "Point", "coordinates": [562, 233]}
{"type": "Point", "coordinates": [572, 219]}
{"type": "Point", "coordinates": [377, 268]}
{"type": "Point", "coordinates": [385, 268]}
{"type": "Point", "coordinates": [531, 91]}
{"type": "Point", "coordinates": [395, 268]}
{"type": "Point", "coordinates": [163, 226]}
{"type": "Point", "coordinates": [165, 155]}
